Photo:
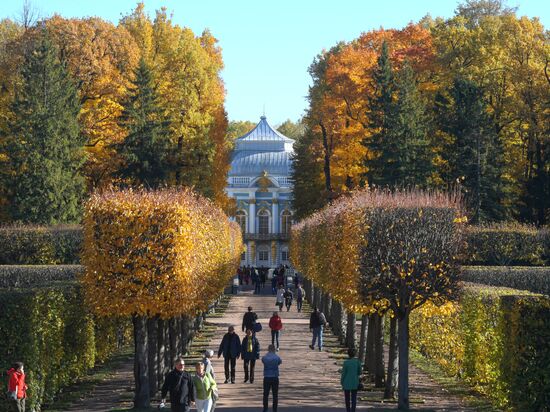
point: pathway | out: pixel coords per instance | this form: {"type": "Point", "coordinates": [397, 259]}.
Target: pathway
{"type": "Point", "coordinates": [309, 379]}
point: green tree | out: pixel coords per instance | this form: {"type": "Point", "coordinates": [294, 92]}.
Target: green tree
{"type": "Point", "coordinates": [407, 129]}
{"type": "Point", "coordinates": [145, 150]}
{"type": "Point", "coordinates": [45, 143]}
{"type": "Point", "coordinates": [307, 177]}
{"type": "Point", "coordinates": [292, 129]}
{"type": "Point", "coordinates": [383, 165]}
{"type": "Point", "coordinates": [475, 154]}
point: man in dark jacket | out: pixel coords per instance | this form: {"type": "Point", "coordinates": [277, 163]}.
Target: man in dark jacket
{"type": "Point", "coordinates": [317, 322]}
{"type": "Point", "coordinates": [250, 351]}
{"type": "Point", "coordinates": [180, 385]}
{"type": "Point", "coordinates": [249, 319]}
{"type": "Point", "coordinates": [230, 347]}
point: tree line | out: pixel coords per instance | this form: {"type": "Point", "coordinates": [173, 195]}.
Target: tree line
{"type": "Point", "coordinates": [85, 104]}
{"type": "Point", "coordinates": [437, 104]}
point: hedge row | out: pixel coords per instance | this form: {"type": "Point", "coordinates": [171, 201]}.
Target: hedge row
{"type": "Point", "coordinates": [495, 245]}
{"type": "Point", "coordinates": [534, 279]}
{"type": "Point", "coordinates": [24, 276]}
{"type": "Point", "coordinates": [496, 339]}
{"type": "Point", "coordinates": [506, 244]}
{"type": "Point", "coordinates": [39, 245]}
{"type": "Point", "coordinates": [58, 340]}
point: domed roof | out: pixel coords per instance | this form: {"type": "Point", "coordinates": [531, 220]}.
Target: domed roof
{"type": "Point", "coordinates": [251, 163]}
{"type": "Point", "coordinates": [263, 148]}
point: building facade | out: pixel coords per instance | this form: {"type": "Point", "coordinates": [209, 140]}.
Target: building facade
{"type": "Point", "coordinates": [260, 182]}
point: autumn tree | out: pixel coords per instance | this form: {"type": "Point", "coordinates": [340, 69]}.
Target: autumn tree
{"type": "Point", "coordinates": [144, 151]}
{"type": "Point", "coordinates": [44, 141]}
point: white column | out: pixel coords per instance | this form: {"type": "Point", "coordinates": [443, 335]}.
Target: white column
{"type": "Point", "coordinates": [275, 213]}
{"type": "Point", "coordinates": [252, 216]}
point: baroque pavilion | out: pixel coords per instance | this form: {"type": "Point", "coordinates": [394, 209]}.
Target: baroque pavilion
{"type": "Point", "coordinates": [260, 182]}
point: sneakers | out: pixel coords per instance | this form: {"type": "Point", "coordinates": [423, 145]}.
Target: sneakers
{"type": "Point", "coordinates": [226, 381]}
{"type": "Point", "coordinates": [245, 380]}
{"type": "Point", "coordinates": [233, 381]}
{"type": "Point", "coordinates": [311, 347]}
{"type": "Point", "coordinates": [277, 349]}
{"type": "Point", "coordinates": [320, 349]}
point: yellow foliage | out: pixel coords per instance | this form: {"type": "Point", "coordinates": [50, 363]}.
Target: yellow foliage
{"type": "Point", "coordinates": [166, 253]}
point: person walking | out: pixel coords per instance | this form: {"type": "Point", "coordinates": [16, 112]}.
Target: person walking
{"type": "Point", "coordinates": [249, 320]}
{"type": "Point", "coordinates": [317, 322]}
{"type": "Point", "coordinates": [288, 296]}
{"type": "Point", "coordinates": [280, 297]}
{"type": "Point", "coordinates": [179, 383]}
{"type": "Point", "coordinates": [208, 368]}
{"type": "Point", "coordinates": [250, 351]}
{"type": "Point", "coordinates": [300, 293]}
{"type": "Point", "coordinates": [349, 379]}
{"type": "Point", "coordinates": [204, 385]}
{"type": "Point", "coordinates": [230, 347]}
{"type": "Point", "coordinates": [17, 388]}
{"type": "Point", "coordinates": [271, 363]}
{"type": "Point", "coordinates": [276, 325]}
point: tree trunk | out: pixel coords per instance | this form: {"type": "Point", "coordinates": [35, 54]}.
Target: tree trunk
{"type": "Point", "coordinates": [327, 304]}
{"type": "Point", "coordinates": [391, 379]}
{"type": "Point", "coordinates": [152, 342]}
{"type": "Point", "coordinates": [351, 335]}
{"type": "Point", "coordinates": [326, 166]}
{"type": "Point", "coordinates": [403, 393]}
{"type": "Point", "coordinates": [379, 372]}
{"type": "Point", "coordinates": [162, 368]}
{"type": "Point", "coordinates": [317, 298]}
{"type": "Point", "coordinates": [370, 355]}
{"type": "Point", "coordinates": [141, 370]}
{"type": "Point", "coordinates": [363, 338]}
{"type": "Point", "coordinates": [173, 347]}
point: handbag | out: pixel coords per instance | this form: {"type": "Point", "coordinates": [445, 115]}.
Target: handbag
{"type": "Point", "coordinates": [258, 327]}
{"type": "Point", "coordinates": [215, 394]}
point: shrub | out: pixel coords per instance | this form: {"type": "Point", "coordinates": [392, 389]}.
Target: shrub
{"type": "Point", "coordinates": [24, 276]}
{"type": "Point", "coordinates": [40, 245]}
{"type": "Point", "coordinates": [495, 339]}
{"type": "Point", "coordinates": [534, 279]}
{"type": "Point", "coordinates": [505, 244]}
{"type": "Point", "coordinates": [55, 336]}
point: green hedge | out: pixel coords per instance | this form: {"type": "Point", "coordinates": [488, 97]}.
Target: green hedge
{"type": "Point", "coordinates": [534, 279]}
{"type": "Point", "coordinates": [24, 276]}
{"type": "Point", "coordinates": [505, 244]}
{"type": "Point", "coordinates": [495, 339]}
{"type": "Point", "coordinates": [39, 245]}
{"type": "Point", "coordinates": [52, 333]}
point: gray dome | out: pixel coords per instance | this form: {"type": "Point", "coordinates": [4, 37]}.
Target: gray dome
{"type": "Point", "coordinates": [251, 163]}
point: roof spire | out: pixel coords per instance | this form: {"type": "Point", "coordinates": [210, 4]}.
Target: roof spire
{"type": "Point", "coordinates": [263, 116]}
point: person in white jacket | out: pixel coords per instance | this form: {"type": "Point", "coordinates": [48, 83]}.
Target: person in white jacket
{"type": "Point", "coordinates": [280, 297]}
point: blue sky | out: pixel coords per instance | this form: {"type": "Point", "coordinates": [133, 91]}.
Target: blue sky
{"type": "Point", "coordinates": [268, 45]}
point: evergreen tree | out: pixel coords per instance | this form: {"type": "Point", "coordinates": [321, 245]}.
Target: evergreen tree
{"type": "Point", "coordinates": [383, 164]}
{"type": "Point", "coordinates": [145, 150]}
{"type": "Point", "coordinates": [45, 143]}
{"type": "Point", "coordinates": [476, 155]}
{"type": "Point", "coordinates": [307, 177]}
{"type": "Point", "coordinates": [407, 128]}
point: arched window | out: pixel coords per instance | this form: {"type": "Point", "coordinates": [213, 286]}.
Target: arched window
{"type": "Point", "coordinates": [263, 222]}
{"type": "Point", "coordinates": [263, 254]}
{"type": "Point", "coordinates": [240, 218]}
{"type": "Point", "coordinates": [286, 222]}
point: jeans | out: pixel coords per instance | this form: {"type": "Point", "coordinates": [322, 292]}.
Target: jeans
{"type": "Point", "coordinates": [271, 384]}
{"type": "Point", "coordinates": [299, 303]}
{"type": "Point", "coordinates": [18, 405]}
{"type": "Point", "coordinates": [252, 363]}
{"type": "Point", "coordinates": [353, 396]}
{"type": "Point", "coordinates": [288, 304]}
{"type": "Point", "coordinates": [227, 362]}
{"type": "Point", "coordinates": [203, 405]}
{"type": "Point", "coordinates": [275, 336]}
{"type": "Point", "coordinates": [318, 335]}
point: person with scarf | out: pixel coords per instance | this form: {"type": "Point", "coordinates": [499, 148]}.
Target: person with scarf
{"type": "Point", "coordinates": [250, 351]}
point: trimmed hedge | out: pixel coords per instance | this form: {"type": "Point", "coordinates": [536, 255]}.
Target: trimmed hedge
{"type": "Point", "coordinates": [495, 339]}
{"type": "Point", "coordinates": [505, 244]}
{"type": "Point", "coordinates": [534, 279]}
{"type": "Point", "coordinates": [50, 331]}
{"type": "Point", "coordinates": [24, 276]}
{"type": "Point", "coordinates": [40, 245]}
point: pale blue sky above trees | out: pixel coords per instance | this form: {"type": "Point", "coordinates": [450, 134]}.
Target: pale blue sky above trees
{"type": "Point", "coordinates": [268, 45]}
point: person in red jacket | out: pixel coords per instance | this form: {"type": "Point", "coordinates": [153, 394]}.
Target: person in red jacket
{"type": "Point", "coordinates": [275, 324]}
{"type": "Point", "coordinates": [16, 386]}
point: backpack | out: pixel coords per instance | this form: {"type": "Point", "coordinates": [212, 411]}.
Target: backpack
{"type": "Point", "coordinates": [257, 327]}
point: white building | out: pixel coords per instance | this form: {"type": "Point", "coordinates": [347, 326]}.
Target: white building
{"type": "Point", "coordinates": [260, 182]}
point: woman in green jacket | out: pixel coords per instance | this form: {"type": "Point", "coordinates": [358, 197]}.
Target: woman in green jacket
{"type": "Point", "coordinates": [349, 380]}
{"type": "Point", "coordinates": [204, 385]}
